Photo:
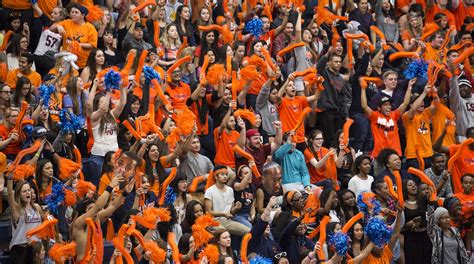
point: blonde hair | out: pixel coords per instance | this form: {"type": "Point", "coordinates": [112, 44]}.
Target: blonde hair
{"type": "Point", "coordinates": [165, 39]}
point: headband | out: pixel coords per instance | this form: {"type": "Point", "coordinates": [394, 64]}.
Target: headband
{"type": "Point", "coordinates": [223, 170]}
{"type": "Point", "coordinates": [290, 195]}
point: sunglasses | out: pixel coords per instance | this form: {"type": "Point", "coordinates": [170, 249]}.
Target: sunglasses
{"type": "Point", "coordinates": [280, 255]}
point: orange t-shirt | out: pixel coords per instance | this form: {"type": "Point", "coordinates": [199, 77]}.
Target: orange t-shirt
{"type": "Point", "coordinates": [467, 202]}
{"type": "Point", "coordinates": [464, 165]}
{"type": "Point", "coordinates": [179, 95]}
{"type": "Point", "coordinates": [315, 174]}
{"type": "Point", "coordinates": [17, 4]}
{"type": "Point", "coordinates": [47, 6]}
{"type": "Point", "coordinates": [438, 122]}
{"type": "Point", "coordinates": [14, 147]}
{"type": "Point", "coordinates": [404, 3]}
{"type": "Point", "coordinates": [384, 259]}
{"type": "Point", "coordinates": [385, 131]}
{"type": "Point", "coordinates": [225, 143]}
{"type": "Point", "coordinates": [104, 182]}
{"type": "Point", "coordinates": [290, 110]}
{"type": "Point", "coordinates": [85, 33]}
{"type": "Point", "coordinates": [461, 13]}
{"type": "Point", "coordinates": [12, 77]}
{"type": "Point", "coordinates": [430, 13]}
{"type": "Point", "coordinates": [418, 133]}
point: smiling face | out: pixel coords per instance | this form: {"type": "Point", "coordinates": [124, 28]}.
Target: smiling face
{"type": "Point", "coordinates": [15, 24]}
{"type": "Point", "coordinates": [412, 189]}
{"type": "Point", "coordinates": [135, 107]}
{"type": "Point", "coordinates": [153, 153]}
{"type": "Point", "coordinates": [307, 36]}
{"type": "Point", "coordinates": [230, 123]}
{"type": "Point", "coordinates": [348, 199]}
{"type": "Point", "coordinates": [24, 44]}
{"type": "Point", "coordinates": [394, 162]}
{"type": "Point", "coordinates": [23, 64]}
{"type": "Point", "coordinates": [99, 58]}
{"type": "Point", "coordinates": [438, 40]}
{"type": "Point", "coordinates": [358, 231]}
{"type": "Point", "coordinates": [467, 183]}
{"type": "Point", "coordinates": [212, 56]}
{"type": "Point", "coordinates": [6, 93]}
{"type": "Point", "coordinates": [297, 202]}
{"type": "Point", "coordinates": [198, 211]}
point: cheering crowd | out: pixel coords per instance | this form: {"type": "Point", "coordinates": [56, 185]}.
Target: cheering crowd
{"type": "Point", "coordinates": [228, 131]}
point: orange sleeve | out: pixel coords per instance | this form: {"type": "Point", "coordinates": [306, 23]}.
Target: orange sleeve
{"type": "Point", "coordinates": [104, 182]}
{"type": "Point", "coordinates": [35, 79]}
{"type": "Point", "coordinates": [308, 155]}
{"type": "Point", "coordinates": [405, 35]}
{"type": "Point", "coordinates": [11, 79]}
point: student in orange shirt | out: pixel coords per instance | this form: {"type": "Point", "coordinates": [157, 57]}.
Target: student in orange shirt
{"type": "Point", "coordinates": [432, 51]}
{"type": "Point", "coordinates": [384, 121]}
{"type": "Point", "coordinates": [290, 108]}
{"type": "Point", "coordinates": [226, 137]}
{"type": "Point", "coordinates": [466, 196]}
{"type": "Point", "coordinates": [9, 143]}
{"type": "Point", "coordinates": [417, 125]}
{"type": "Point", "coordinates": [316, 156]}
{"type": "Point", "coordinates": [439, 7]}
{"type": "Point", "coordinates": [25, 61]}
{"type": "Point", "coordinates": [178, 91]}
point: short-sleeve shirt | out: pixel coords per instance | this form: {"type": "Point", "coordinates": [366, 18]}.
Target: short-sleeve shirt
{"type": "Point", "coordinates": [290, 110]}
{"type": "Point", "coordinates": [12, 78]}
{"type": "Point", "coordinates": [85, 33]}
{"type": "Point", "coordinates": [385, 131]}
{"type": "Point", "coordinates": [464, 165]}
{"type": "Point", "coordinates": [225, 143]}
{"type": "Point", "coordinates": [315, 174]}
{"type": "Point", "coordinates": [222, 201]}
{"type": "Point", "coordinates": [418, 133]}
{"type": "Point", "coordinates": [179, 95]}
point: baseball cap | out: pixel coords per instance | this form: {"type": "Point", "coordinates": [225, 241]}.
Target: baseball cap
{"type": "Point", "coordinates": [385, 99]}
{"type": "Point", "coordinates": [39, 131]}
{"type": "Point", "coordinates": [252, 133]}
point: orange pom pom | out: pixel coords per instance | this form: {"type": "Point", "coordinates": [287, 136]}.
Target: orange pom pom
{"type": "Point", "coordinates": [158, 255]}
{"type": "Point", "coordinates": [201, 235]}
{"type": "Point", "coordinates": [95, 13]}
{"type": "Point", "coordinates": [67, 167]}
{"type": "Point", "coordinates": [83, 187]}
{"type": "Point", "coordinates": [185, 120]}
{"type": "Point", "coordinates": [211, 252]}
{"type": "Point", "coordinates": [23, 172]}
{"type": "Point", "coordinates": [257, 62]}
{"type": "Point", "coordinates": [60, 252]}
{"type": "Point", "coordinates": [45, 230]}
{"type": "Point", "coordinates": [194, 184]}
{"type": "Point", "coordinates": [206, 220]}
{"type": "Point", "coordinates": [70, 198]}
{"type": "Point", "coordinates": [247, 115]}
{"type": "Point", "coordinates": [249, 73]}
{"type": "Point", "coordinates": [215, 75]}
{"type": "Point", "coordinates": [151, 216]}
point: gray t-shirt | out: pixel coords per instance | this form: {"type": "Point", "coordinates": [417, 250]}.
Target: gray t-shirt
{"type": "Point", "coordinates": [450, 250]}
{"type": "Point", "coordinates": [447, 190]}
{"type": "Point", "coordinates": [193, 165]}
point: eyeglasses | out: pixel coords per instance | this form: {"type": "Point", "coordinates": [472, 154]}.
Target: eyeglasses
{"type": "Point", "coordinates": [280, 255]}
{"type": "Point", "coordinates": [319, 139]}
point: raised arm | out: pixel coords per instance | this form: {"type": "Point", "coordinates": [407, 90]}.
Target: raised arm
{"type": "Point", "coordinates": [406, 100]}
{"type": "Point", "coordinates": [438, 144]}
{"type": "Point", "coordinates": [282, 26]}
{"type": "Point", "coordinates": [123, 100]}
{"type": "Point", "coordinates": [363, 102]}
{"type": "Point", "coordinates": [242, 134]}
{"type": "Point", "coordinates": [104, 214]}
{"type": "Point", "coordinates": [16, 210]}
{"type": "Point", "coordinates": [90, 98]}
{"type": "Point", "coordinates": [417, 103]}
{"type": "Point", "coordinates": [278, 136]}
{"type": "Point", "coordinates": [298, 37]}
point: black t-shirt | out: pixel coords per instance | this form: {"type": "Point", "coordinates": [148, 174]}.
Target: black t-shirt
{"type": "Point", "coordinates": [246, 197]}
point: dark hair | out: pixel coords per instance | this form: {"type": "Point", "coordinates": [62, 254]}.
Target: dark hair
{"type": "Point", "coordinates": [312, 136]}
{"type": "Point", "coordinates": [189, 213]}
{"type": "Point", "coordinates": [384, 155]}
{"type": "Point", "coordinates": [134, 157]}
{"type": "Point", "coordinates": [183, 244]}
{"type": "Point", "coordinates": [417, 8]}
{"type": "Point", "coordinates": [470, 132]}
{"type": "Point", "coordinates": [39, 175]}
{"type": "Point", "coordinates": [335, 143]}
{"type": "Point", "coordinates": [75, 96]}
{"type": "Point", "coordinates": [16, 96]}
{"type": "Point", "coordinates": [14, 47]}
{"type": "Point", "coordinates": [358, 161]}
{"type": "Point", "coordinates": [92, 64]}
{"type": "Point", "coordinates": [344, 208]}
{"type": "Point", "coordinates": [467, 175]}
{"type": "Point", "coordinates": [82, 204]}
{"type": "Point", "coordinates": [158, 166]}
{"type": "Point", "coordinates": [28, 56]}
{"type": "Point", "coordinates": [187, 24]}
{"type": "Point", "coordinates": [106, 166]}
{"type": "Point", "coordinates": [331, 56]}
{"type": "Point", "coordinates": [252, 46]}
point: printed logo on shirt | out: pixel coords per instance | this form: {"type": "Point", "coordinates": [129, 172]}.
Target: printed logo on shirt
{"type": "Point", "coordinates": [423, 129]}
{"type": "Point", "coordinates": [469, 161]}
{"type": "Point", "coordinates": [247, 197]}
{"type": "Point", "coordinates": [386, 125]}
{"type": "Point", "coordinates": [470, 106]}
{"type": "Point", "coordinates": [293, 108]}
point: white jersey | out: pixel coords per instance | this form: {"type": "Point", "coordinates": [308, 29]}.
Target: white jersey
{"type": "Point", "coordinates": [49, 41]}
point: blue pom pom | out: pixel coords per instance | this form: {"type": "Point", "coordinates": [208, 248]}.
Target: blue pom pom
{"type": "Point", "coordinates": [150, 74]}
{"type": "Point", "coordinates": [260, 260]}
{"type": "Point", "coordinates": [56, 198]}
{"type": "Point", "coordinates": [340, 241]}
{"type": "Point", "coordinates": [28, 130]}
{"type": "Point", "coordinates": [365, 208]}
{"type": "Point", "coordinates": [69, 122]}
{"type": "Point", "coordinates": [377, 231]}
{"type": "Point", "coordinates": [45, 92]}
{"type": "Point", "coordinates": [112, 80]}
{"type": "Point", "coordinates": [417, 68]}
{"type": "Point", "coordinates": [254, 27]}
{"type": "Point", "coordinates": [170, 195]}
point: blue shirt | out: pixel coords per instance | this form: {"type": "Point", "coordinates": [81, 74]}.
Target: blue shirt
{"type": "Point", "coordinates": [293, 165]}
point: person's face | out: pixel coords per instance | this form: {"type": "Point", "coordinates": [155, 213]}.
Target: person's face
{"type": "Point", "coordinates": [467, 182]}
{"type": "Point", "coordinates": [455, 209]}
{"type": "Point", "coordinates": [47, 170]}
{"type": "Point", "coordinates": [76, 15]}
{"type": "Point", "coordinates": [348, 199]}
{"type": "Point", "coordinates": [266, 24]}
{"type": "Point", "coordinates": [335, 64]}
{"type": "Point", "coordinates": [335, 202]}
{"type": "Point", "coordinates": [394, 162]}
{"type": "Point", "coordinates": [227, 96]}
{"type": "Point", "coordinates": [6, 93]}
{"type": "Point", "coordinates": [439, 164]}
{"type": "Point", "coordinates": [386, 5]}
{"type": "Point", "coordinates": [386, 108]}
{"type": "Point", "coordinates": [301, 229]}
{"type": "Point", "coordinates": [273, 96]}
{"type": "Point", "coordinates": [176, 74]}
{"type": "Point", "coordinates": [173, 32]}
{"type": "Point", "coordinates": [290, 89]}
{"type": "Point", "coordinates": [231, 123]}
{"type": "Point", "coordinates": [257, 48]}
{"type": "Point", "coordinates": [195, 145]}
{"type": "Point", "coordinates": [437, 41]}
{"type": "Point", "coordinates": [24, 44]}
{"type": "Point", "coordinates": [341, 139]}
{"type": "Point", "coordinates": [255, 142]}
{"type": "Point", "coordinates": [339, 48]}
{"type": "Point", "coordinates": [444, 221]}
{"type": "Point", "coordinates": [240, 52]}
{"type": "Point", "coordinates": [212, 56]}
{"type": "Point", "coordinates": [107, 16]}
{"type": "Point", "coordinates": [222, 177]}
{"type": "Point", "coordinates": [224, 239]}
{"type": "Point", "coordinates": [25, 193]}
{"type": "Point", "coordinates": [307, 36]}
{"type": "Point", "coordinates": [210, 38]}
{"type": "Point", "coordinates": [13, 117]}
{"type": "Point", "coordinates": [138, 33]}
{"type": "Point", "coordinates": [182, 186]}
{"type": "Point", "coordinates": [358, 231]}
{"type": "Point", "coordinates": [381, 61]}
{"type": "Point", "coordinates": [423, 190]}
{"type": "Point", "coordinates": [466, 38]}
{"type": "Point", "coordinates": [391, 81]}
{"type": "Point", "coordinates": [297, 202]}
{"type": "Point", "coordinates": [25, 89]}
{"type": "Point", "coordinates": [244, 172]}
{"type": "Point", "coordinates": [185, 15]}
{"type": "Point", "coordinates": [383, 190]}
{"type": "Point", "coordinates": [135, 107]}
{"type": "Point", "coordinates": [56, 14]}
{"type": "Point", "coordinates": [128, 136]}
{"type": "Point", "coordinates": [198, 211]}
{"type": "Point", "coordinates": [126, 166]}
{"type": "Point", "coordinates": [205, 15]}
{"type": "Point", "coordinates": [108, 37]}
{"type": "Point", "coordinates": [289, 29]}
{"type": "Point", "coordinates": [452, 57]}
{"type": "Point", "coordinates": [318, 140]}
{"type": "Point", "coordinates": [465, 91]}
{"type": "Point", "coordinates": [411, 187]}
{"type": "Point", "coordinates": [162, 13]}
{"type": "Point", "coordinates": [23, 64]}
{"type": "Point", "coordinates": [15, 24]}
{"type": "Point", "coordinates": [145, 184]}
{"type": "Point", "coordinates": [273, 180]}
{"type": "Point", "coordinates": [99, 58]}
{"type": "Point", "coordinates": [258, 121]}
{"type": "Point", "coordinates": [44, 114]}
{"type": "Point", "coordinates": [363, 6]}
{"type": "Point", "coordinates": [442, 2]}
{"type": "Point", "coordinates": [414, 21]}
{"type": "Point", "coordinates": [369, 70]}
{"type": "Point", "coordinates": [153, 153]}
{"type": "Point", "coordinates": [79, 84]}
{"type": "Point", "coordinates": [364, 166]}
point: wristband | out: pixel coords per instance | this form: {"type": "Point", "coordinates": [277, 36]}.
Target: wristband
{"type": "Point", "coordinates": [109, 189]}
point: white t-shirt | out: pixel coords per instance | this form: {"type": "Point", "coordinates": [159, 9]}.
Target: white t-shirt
{"type": "Point", "coordinates": [222, 201]}
{"type": "Point", "coordinates": [357, 185]}
{"type": "Point", "coordinates": [48, 41]}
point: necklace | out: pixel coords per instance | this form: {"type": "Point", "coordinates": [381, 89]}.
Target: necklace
{"type": "Point", "coordinates": [411, 202]}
